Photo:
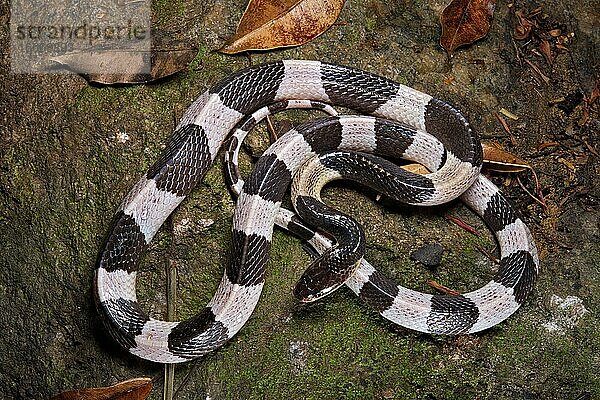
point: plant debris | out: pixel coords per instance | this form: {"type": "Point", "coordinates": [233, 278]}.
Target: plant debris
{"type": "Point", "coordinates": [271, 24]}
{"type": "Point", "coordinates": [465, 21]}
{"type": "Point", "coordinates": [508, 114]}
{"type": "Point", "coordinates": [165, 57]}
{"type": "Point", "coordinates": [541, 38]}
{"type": "Point", "coordinates": [462, 224]}
{"type": "Point", "coordinates": [496, 159]}
{"type": "Point", "coordinates": [132, 389]}
{"type": "Point", "coordinates": [499, 160]}
{"type": "Point", "coordinates": [442, 288]}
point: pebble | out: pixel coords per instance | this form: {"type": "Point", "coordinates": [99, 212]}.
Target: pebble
{"type": "Point", "coordinates": [430, 255]}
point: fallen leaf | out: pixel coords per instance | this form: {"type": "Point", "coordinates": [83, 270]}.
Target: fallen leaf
{"type": "Point", "coordinates": [465, 21]}
{"type": "Point", "coordinates": [546, 51]}
{"type": "Point", "coordinates": [166, 57]}
{"type": "Point", "coordinates": [496, 159]}
{"type": "Point", "coordinates": [523, 27]}
{"type": "Point", "coordinates": [270, 24]}
{"type": "Point", "coordinates": [132, 389]}
{"type": "Point", "coordinates": [415, 169]}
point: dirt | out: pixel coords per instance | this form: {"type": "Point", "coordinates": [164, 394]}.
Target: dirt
{"type": "Point", "coordinates": [69, 152]}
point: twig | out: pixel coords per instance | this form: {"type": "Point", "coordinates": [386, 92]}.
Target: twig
{"type": "Point", "coordinates": [187, 377]}
{"type": "Point", "coordinates": [541, 202]}
{"type": "Point", "coordinates": [271, 129]}
{"type": "Point", "coordinates": [590, 148]}
{"type": "Point", "coordinates": [487, 254]}
{"type": "Point", "coordinates": [171, 268]}
{"type": "Point", "coordinates": [442, 288]}
{"type": "Point", "coordinates": [462, 224]}
{"type": "Point", "coordinates": [538, 71]}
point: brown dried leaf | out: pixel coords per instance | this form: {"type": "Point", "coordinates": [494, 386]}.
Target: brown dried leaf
{"type": "Point", "coordinates": [269, 24]}
{"type": "Point", "coordinates": [415, 169]}
{"type": "Point", "coordinates": [465, 21]}
{"type": "Point", "coordinates": [546, 51]}
{"type": "Point", "coordinates": [523, 27]}
{"type": "Point", "coordinates": [554, 32]}
{"type": "Point", "coordinates": [167, 57]}
{"type": "Point", "coordinates": [496, 159]}
{"type": "Point", "coordinates": [132, 389]}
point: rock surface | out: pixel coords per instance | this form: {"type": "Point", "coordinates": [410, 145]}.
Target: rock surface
{"type": "Point", "coordinates": [69, 152]}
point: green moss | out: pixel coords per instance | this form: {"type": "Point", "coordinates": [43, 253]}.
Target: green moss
{"type": "Point", "coordinates": [166, 11]}
{"type": "Point", "coordinates": [370, 23]}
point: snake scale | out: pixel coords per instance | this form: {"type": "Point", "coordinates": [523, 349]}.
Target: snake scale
{"type": "Point", "coordinates": [403, 122]}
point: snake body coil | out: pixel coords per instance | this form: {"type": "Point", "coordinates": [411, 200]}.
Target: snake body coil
{"type": "Point", "coordinates": [455, 153]}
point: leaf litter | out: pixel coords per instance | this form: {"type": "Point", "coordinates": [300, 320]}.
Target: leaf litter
{"type": "Point", "coordinates": [465, 21]}
{"type": "Point", "coordinates": [271, 24]}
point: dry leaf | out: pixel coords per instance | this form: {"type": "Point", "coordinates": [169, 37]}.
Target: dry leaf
{"type": "Point", "coordinates": [496, 159]}
{"type": "Point", "coordinates": [465, 21]}
{"type": "Point", "coordinates": [546, 51]}
{"type": "Point", "coordinates": [166, 57]}
{"type": "Point", "coordinates": [269, 24]}
{"type": "Point", "coordinates": [132, 389]}
{"type": "Point", "coordinates": [523, 27]}
{"type": "Point", "coordinates": [415, 169]}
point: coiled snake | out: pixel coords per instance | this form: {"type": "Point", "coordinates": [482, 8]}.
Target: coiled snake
{"type": "Point", "coordinates": [405, 120]}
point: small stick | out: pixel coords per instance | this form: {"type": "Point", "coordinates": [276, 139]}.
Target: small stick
{"type": "Point", "coordinates": [442, 288]}
{"type": "Point", "coordinates": [462, 224]}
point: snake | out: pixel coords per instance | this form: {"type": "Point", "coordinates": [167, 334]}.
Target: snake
{"type": "Point", "coordinates": [395, 116]}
